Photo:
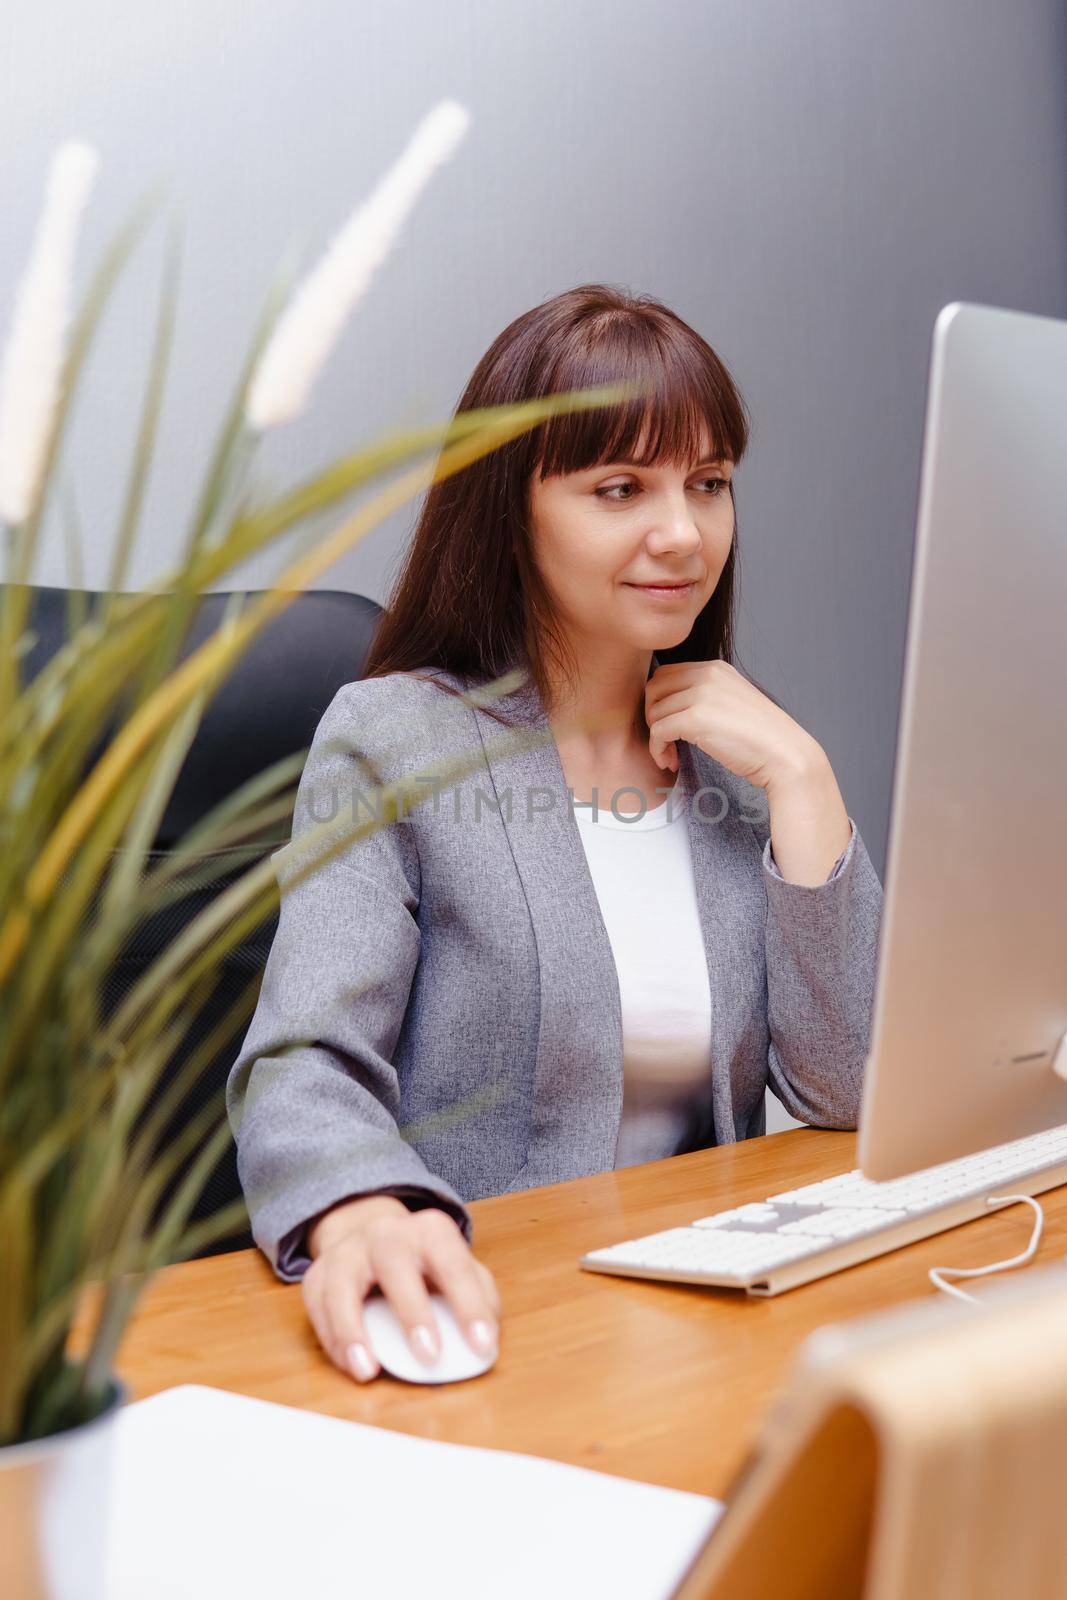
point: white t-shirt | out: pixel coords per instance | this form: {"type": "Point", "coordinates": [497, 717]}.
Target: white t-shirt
{"type": "Point", "coordinates": [643, 874]}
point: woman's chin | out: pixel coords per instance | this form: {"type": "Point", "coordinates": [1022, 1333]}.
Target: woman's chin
{"type": "Point", "coordinates": [665, 638]}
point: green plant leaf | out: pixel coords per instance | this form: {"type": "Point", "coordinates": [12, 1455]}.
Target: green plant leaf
{"type": "Point", "coordinates": [91, 1198]}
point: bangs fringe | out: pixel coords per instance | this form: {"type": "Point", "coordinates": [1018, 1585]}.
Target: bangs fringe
{"type": "Point", "coordinates": [688, 399]}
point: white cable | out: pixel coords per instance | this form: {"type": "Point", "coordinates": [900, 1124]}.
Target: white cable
{"type": "Point", "coordinates": [939, 1274]}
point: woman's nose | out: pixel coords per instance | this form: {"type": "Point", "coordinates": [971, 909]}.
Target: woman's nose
{"type": "Point", "coordinates": [676, 529]}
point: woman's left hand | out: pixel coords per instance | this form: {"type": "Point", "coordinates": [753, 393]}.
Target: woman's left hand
{"type": "Point", "coordinates": [711, 704]}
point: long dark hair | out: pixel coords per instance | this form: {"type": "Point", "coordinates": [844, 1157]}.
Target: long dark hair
{"type": "Point", "coordinates": [469, 597]}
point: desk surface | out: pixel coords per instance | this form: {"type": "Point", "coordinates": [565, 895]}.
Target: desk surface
{"type": "Point", "coordinates": [652, 1381]}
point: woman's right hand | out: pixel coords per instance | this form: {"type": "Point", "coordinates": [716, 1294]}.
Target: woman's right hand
{"type": "Point", "coordinates": [376, 1239]}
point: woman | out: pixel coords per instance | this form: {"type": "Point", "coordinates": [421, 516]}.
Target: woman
{"type": "Point", "coordinates": [508, 986]}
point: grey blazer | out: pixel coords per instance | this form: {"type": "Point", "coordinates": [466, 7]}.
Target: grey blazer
{"type": "Point", "coordinates": [439, 1015]}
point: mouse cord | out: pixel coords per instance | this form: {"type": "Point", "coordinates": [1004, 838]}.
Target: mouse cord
{"type": "Point", "coordinates": [939, 1274]}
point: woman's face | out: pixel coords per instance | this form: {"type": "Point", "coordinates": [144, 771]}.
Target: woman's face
{"type": "Point", "coordinates": [600, 534]}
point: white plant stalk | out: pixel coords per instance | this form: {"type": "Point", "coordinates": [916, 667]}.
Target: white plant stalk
{"type": "Point", "coordinates": [311, 324]}
{"type": "Point", "coordinates": [32, 368]}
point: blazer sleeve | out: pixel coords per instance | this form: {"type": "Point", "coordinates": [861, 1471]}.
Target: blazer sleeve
{"type": "Point", "coordinates": [821, 952]}
{"type": "Point", "coordinates": [313, 1098]}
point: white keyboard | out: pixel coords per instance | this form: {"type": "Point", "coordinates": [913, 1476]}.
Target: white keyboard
{"type": "Point", "coordinates": [807, 1233]}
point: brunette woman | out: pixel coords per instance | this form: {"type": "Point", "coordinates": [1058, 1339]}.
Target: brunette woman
{"type": "Point", "coordinates": [596, 951]}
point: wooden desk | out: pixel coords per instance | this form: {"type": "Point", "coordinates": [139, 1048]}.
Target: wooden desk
{"type": "Point", "coordinates": [652, 1381]}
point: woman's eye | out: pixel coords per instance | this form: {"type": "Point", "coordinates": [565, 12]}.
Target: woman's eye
{"type": "Point", "coordinates": [605, 493]}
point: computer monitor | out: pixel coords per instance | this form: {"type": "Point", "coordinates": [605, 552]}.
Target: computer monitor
{"type": "Point", "coordinates": [967, 1046]}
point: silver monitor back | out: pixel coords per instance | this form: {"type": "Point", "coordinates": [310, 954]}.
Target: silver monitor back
{"type": "Point", "coordinates": [971, 995]}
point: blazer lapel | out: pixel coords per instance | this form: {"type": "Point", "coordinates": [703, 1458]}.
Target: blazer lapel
{"type": "Point", "coordinates": [577, 1098]}
{"type": "Point", "coordinates": [724, 867]}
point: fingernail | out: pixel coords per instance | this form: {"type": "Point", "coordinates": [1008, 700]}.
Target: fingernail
{"type": "Point", "coordinates": [482, 1335]}
{"type": "Point", "coordinates": [422, 1342]}
{"type": "Point", "coordinates": [359, 1362]}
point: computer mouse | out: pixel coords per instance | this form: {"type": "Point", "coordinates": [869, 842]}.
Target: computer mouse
{"type": "Point", "coordinates": [389, 1341]}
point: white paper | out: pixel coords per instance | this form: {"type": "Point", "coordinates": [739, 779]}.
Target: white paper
{"type": "Point", "coordinates": [219, 1496]}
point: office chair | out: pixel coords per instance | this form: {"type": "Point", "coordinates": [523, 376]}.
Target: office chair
{"type": "Point", "coordinates": [267, 708]}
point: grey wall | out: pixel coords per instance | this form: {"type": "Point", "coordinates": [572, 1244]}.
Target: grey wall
{"type": "Point", "coordinates": [807, 183]}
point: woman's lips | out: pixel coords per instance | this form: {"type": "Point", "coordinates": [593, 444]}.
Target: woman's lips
{"type": "Point", "coordinates": [659, 591]}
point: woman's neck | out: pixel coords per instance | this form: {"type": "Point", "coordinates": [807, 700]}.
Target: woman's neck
{"type": "Point", "coordinates": [605, 710]}
{"type": "Point", "coordinates": [602, 736]}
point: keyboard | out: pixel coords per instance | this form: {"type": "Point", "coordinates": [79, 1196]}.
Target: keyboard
{"type": "Point", "coordinates": [802, 1234]}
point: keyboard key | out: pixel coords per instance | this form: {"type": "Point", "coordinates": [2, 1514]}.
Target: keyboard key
{"type": "Point", "coordinates": [710, 1251]}
{"type": "Point", "coordinates": [762, 1213]}
{"type": "Point", "coordinates": [843, 1223]}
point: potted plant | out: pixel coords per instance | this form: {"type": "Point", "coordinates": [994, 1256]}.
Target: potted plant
{"type": "Point", "coordinates": [90, 1205]}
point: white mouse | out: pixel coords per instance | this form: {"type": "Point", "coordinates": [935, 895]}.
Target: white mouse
{"type": "Point", "coordinates": [389, 1341]}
